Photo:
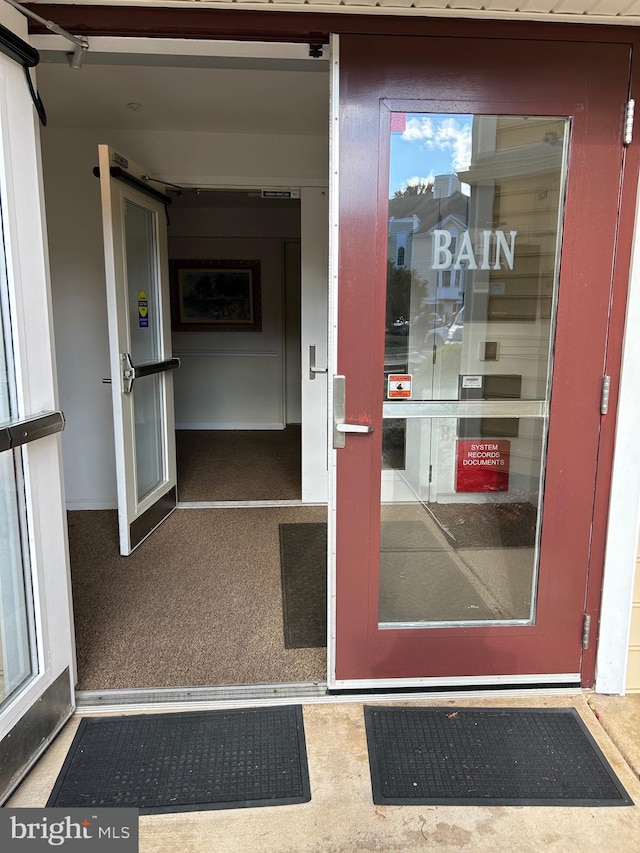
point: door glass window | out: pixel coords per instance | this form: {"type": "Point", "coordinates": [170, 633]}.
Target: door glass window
{"type": "Point", "coordinates": [475, 216]}
{"type": "Point", "coordinates": [146, 345]}
{"type": "Point", "coordinates": [17, 645]}
{"type": "Point", "coordinates": [142, 283]}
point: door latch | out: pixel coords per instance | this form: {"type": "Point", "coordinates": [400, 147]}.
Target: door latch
{"type": "Point", "coordinates": [340, 428]}
{"type": "Point", "coordinates": [312, 364]}
{"type": "Point", "coordinates": [128, 372]}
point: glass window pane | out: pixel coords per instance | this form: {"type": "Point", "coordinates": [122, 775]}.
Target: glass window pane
{"type": "Point", "coordinates": [17, 643]}
{"type": "Point", "coordinates": [142, 283]}
{"type": "Point", "coordinates": [475, 214]}
{"type": "Point", "coordinates": [469, 555]}
{"type": "Point", "coordinates": [149, 433]}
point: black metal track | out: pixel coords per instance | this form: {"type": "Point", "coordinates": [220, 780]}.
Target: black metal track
{"type": "Point", "coordinates": [121, 175]}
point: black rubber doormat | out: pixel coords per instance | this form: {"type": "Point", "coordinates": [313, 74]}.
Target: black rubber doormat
{"type": "Point", "coordinates": [191, 761]}
{"type": "Point", "coordinates": [487, 756]}
{"type": "Point", "coordinates": [303, 563]}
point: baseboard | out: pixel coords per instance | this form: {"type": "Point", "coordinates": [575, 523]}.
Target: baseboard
{"type": "Point", "coordinates": [91, 503]}
{"type": "Point", "coordinates": [219, 426]}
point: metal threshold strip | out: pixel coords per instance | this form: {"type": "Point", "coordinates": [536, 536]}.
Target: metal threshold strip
{"type": "Point", "coordinates": [154, 696]}
{"type": "Point", "coordinates": [305, 693]}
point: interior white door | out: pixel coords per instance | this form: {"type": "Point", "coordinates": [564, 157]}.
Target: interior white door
{"type": "Point", "coordinates": [37, 666]}
{"type": "Point", "coordinates": [137, 280]}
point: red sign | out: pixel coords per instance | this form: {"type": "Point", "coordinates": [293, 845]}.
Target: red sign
{"type": "Point", "coordinates": [398, 122]}
{"type": "Point", "coordinates": [399, 386]}
{"type": "Point", "coordinates": [482, 465]}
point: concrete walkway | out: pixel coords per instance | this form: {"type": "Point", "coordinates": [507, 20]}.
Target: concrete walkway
{"type": "Point", "coordinates": [341, 817]}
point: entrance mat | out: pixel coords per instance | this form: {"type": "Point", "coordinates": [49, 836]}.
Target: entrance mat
{"type": "Point", "coordinates": [191, 761]}
{"type": "Point", "coordinates": [487, 756]}
{"type": "Point", "coordinates": [487, 525]}
{"type": "Point", "coordinates": [303, 563]}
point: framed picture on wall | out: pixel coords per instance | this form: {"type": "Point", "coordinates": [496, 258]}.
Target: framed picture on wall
{"type": "Point", "coordinates": [215, 296]}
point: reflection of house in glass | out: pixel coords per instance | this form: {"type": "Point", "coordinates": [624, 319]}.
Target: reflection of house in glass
{"type": "Point", "coordinates": [413, 220]}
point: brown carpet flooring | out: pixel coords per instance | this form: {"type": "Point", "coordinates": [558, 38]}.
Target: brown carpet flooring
{"type": "Point", "coordinates": [239, 465]}
{"type": "Point", "coordinates": [198, 603]}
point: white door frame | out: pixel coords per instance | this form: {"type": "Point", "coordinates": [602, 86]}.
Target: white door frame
{"type": "Point", "coordinates": [50, 690]}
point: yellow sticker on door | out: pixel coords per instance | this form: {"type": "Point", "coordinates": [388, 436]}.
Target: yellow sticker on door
{"type": "Point", "coordinates": [143, 310]}
{"type": "Point", "coordinates": [399, 386]}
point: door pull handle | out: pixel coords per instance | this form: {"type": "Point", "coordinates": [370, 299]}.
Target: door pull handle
{"type": "Point", "coordinates": [131, 372]}
{"type": "Point", "coordinates": [340, 428]}
{"type": "Point", "coordinates": [366, 428]}
{"type": "Point", "coordinates": [312, 364]}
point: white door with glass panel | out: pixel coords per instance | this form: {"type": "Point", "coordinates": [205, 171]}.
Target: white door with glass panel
{"type": "Point", "coordinates": [37, 668]}
{"type": "Point", "coordinates": [136, 267]}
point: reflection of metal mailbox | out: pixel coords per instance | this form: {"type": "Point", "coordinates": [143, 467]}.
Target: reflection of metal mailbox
{"type": "Point", "coordinates": [499, 386]}
{"type": "Point", "coordinates": [482, 465]}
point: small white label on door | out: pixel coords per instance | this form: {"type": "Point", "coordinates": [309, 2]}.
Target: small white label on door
{"type": "Point", "coordinates": [399, 386]}
{"type": "Point", "coordinates": [472, 381]}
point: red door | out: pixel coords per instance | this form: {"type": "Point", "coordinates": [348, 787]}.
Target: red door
{"type": "Point", "coordinates": [479, 184]}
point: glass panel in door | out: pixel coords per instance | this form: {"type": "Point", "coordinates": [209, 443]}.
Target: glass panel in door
{"type": "Point", "coordinates": [17, 640]}
{"type": "Point", "coordinates": [146, 346]}
{"type": "Point", "coordinates": [472, 272]}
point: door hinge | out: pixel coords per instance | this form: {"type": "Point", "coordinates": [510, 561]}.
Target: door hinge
{"type": "Point", "coordinates": [586, 629]}
{"type": "Point", "coordinates": [430, 473]}
{"type": "Point", "coordinates": [604, 396]}
{"type": "Point", "coordinates": [628, 121]}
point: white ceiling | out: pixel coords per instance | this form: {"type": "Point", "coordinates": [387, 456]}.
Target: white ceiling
{"type": "Point", "coordinates": [236, 96]}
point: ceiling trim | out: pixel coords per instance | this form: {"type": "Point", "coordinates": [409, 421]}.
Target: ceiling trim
{"type": "Point", "coordinates": [612, 12]}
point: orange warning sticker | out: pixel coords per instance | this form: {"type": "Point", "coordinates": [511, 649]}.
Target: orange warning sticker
{"type": "Point", "coordinates": [399, 386]}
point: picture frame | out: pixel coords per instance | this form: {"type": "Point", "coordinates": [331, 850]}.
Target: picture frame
{"type": "Point", "coordinates": [215, 295]}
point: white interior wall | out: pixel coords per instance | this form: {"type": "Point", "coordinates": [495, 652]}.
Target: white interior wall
{"type": "Point", "coordinates": [234, 380]}
{"type": "Point", "coordinates": [77, 265]}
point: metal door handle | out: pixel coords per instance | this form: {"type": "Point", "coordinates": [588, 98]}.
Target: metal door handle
{"type": "Point", "coordinates": [354, 428]}
{"type": "Point", "coordinates": [312, 364]}
{"type": "Point", "coordinates": [340, 428]}
{"type": "Point", "coordinates": [131, 372]}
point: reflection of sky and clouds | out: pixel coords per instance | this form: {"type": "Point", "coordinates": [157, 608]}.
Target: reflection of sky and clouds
{"type": "Point", "coordinates": [430, 144]}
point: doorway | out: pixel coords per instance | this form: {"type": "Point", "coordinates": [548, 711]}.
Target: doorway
{"type": "Point", "coordinates": [237, 393]}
